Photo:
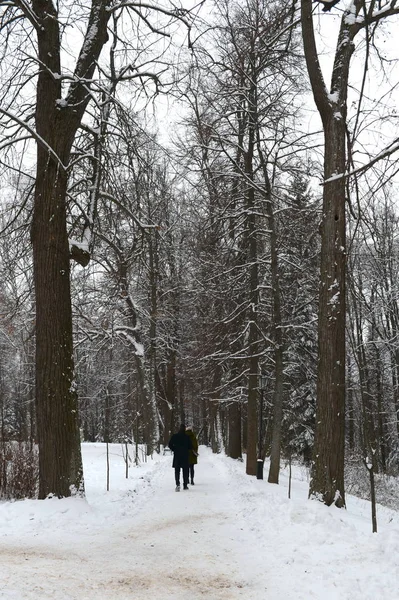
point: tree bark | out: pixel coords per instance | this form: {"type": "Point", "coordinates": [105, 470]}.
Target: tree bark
{"type": "Point", "coordinates": [274, 470]}
{"type": "Point", "coordinates": [327, 480]}
{"type": "Point", "coordinates": [60, 463]}
{"type": "Point", "coordinates": [251, 246]}
{"type": "Point", "coordinates": [234, 430]}
{"type": "Point", "coordinates": [213, 409]}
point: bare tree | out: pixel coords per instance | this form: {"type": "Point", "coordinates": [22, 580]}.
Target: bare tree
{"type": "Point", "coordinates": [247, 94]}
{"type": "Point", "coordinates": [327, 482]}
{"type": "Point", "coordinates": [62, 98]}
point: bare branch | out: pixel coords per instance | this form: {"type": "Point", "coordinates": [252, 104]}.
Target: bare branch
{"type": "Point", "coordinates": [35, 135]}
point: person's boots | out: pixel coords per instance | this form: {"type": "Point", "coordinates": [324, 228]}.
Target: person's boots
{"type": "Point", "coordinates": [192, 482]}
{"type": "Point", "coordinates": [178, 488]}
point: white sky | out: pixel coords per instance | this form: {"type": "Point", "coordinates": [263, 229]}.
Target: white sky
{"type": "Point", "coordinates": [229, 537]}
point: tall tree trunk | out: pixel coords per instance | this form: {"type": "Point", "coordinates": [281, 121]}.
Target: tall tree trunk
{"type": "Point", "coordinates": [152, 354]}
{"type": "Point", "coordinates": [327, 480]}
{"type": "Point", "coordinates": [381, 414]}
{"type": "Point", "coordinates": [251, 245]}
{"type": "Point", "coordinates": [395, 385]}
{"type": "Point", "coordinates": [363, 358]}
{"type": "Point", "coordinates": [252, 422]}
{"type": "Point", "coordinates": [369, 432]}
{"type": "Point", "coordinates": [60, 463]}
{"type": "Point", "coordinates": [274, 470]}
{"type": "Point", "coordinates": [214, 410]}
{"type": "Point", "coordinates": [351, 407]}
{"type": "Point", "coordinates": [171, 391]}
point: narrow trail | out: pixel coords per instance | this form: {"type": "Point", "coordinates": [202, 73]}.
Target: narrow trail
{"type": "Point", "coordinates": [158, 545]}
{"type": "Point", "coordinates": [186, 541]}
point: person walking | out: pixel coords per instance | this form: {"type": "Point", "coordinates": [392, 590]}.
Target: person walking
{"type": "Point", "coordinates": [193, 453]}
{"type": "Point", "coordinates": [180, 444]}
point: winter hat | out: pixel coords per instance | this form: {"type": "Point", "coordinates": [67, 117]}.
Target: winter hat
{"type": "Point", "coordinates": [189, 427]}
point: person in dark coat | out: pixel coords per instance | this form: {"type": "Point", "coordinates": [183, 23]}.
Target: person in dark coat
{"type": "Point", "coordinates": [193, 453]}
{"type": "Point", "coordinates": [180, 444]}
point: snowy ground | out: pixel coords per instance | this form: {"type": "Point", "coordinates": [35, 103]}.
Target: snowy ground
{"type": "Point", "coordinates": [229, 537]}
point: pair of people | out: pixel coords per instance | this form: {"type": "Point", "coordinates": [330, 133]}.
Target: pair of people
{"type": "Point", "coordinates": [184, 446]}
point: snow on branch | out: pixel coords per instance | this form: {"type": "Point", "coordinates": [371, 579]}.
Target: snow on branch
{"type": "Point", "coordinates": [143, 226]}
{"type": "Point", "coordinates": [124, 332]}
{"type": "Point", "coordinates": [393, 147]}
{"type": "Point", "coordinates": [35, 135]}
{"type": "Point", "coordinates": [28, 12]}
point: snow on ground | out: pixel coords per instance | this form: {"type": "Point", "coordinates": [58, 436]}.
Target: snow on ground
{"type": "Point", "coordinates": [229, 537]}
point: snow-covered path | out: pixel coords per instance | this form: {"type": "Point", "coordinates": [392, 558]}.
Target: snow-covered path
{"type": "Point", "coordinates": [159, 545]}
{"type": "Point", "coordinates": [185, 543]}
{"type": "Point", "coordinates": [229, 537]}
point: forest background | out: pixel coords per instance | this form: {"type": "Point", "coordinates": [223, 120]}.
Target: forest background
{"type": "Point", "coordinates": [242, 276]}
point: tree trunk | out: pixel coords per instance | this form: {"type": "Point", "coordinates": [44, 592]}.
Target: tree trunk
{"type": "Point", "coordinates": [214, 410]}
{"type": "Point", "coordinates": [369, 430]}
{"type": "Point", "coordinates": [152, 354]}
{"type": "Point", "coordinates": [60, 463]}
{"type": "Point", "coordinates": [327, 480]}
{"type": "Point", "coordinates": [381, 415]}
{"type": "Point", "coordinates": [351, 407]}
{"type": "Point", "coordinates": [171, 392]}
{"type": "Point", "coordinates": [251, 246]}
{"type": "Point", "coordinates": [274, 470]}
{"type": "Point", "coordinates": [234, 430]}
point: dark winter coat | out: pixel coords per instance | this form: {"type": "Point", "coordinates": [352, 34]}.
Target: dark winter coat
{"type": "Point", "coordinates": [180, 444]}
{"type": "Point", "coordinates": [192, 456]}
